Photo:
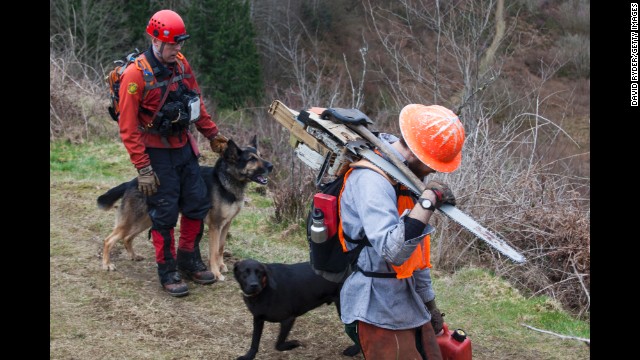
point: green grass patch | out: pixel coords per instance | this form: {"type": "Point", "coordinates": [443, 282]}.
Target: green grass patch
{"type": "Point", "coordinates": [103, 161]}
{"type": "Point", "coordinates": [472, 296]}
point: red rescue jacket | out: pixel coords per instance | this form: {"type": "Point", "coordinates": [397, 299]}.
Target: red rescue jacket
{"type": "Point", "coordinates": [133, 121]}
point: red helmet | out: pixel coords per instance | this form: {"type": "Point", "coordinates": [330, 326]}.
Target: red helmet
{"type": "Point", "coordinates": [167, 26]}
{"type": "Point", "coordinates": [434, 134]}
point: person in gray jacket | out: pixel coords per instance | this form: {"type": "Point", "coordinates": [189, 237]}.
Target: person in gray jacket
{"type": "Point", "coordinates": [388, 303]}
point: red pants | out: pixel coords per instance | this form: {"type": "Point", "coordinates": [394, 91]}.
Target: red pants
{"type": "Point", "coordinates": [384, 344]}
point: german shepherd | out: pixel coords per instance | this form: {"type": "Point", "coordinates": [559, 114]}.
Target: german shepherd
{"type": "Point", "coordinates": [226, 183]}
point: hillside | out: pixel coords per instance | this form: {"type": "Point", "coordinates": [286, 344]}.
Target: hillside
{"type": "Point", "coordinates": [525, 172]}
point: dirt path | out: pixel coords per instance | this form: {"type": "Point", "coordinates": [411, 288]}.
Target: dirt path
{"type": "Point", "coordinates": [124, 314]}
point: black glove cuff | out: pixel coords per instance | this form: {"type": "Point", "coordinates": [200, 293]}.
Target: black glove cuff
{"type": "Point", "coordinates": [412, 228]}
{"type": "Point", "coordinates": [431, 304]}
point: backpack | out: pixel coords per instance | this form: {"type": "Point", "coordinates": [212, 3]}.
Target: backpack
{"type": "Point", "coordinates": [115, 75]}
{"type": "Point", "coordinates": [327, 258]}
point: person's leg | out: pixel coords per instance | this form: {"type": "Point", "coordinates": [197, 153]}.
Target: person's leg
{"type": "Point", "coordinates": [383, 344]}
{"type": "Point", "coordinates": [351, 330]}
{"type": "Point", "coordinates": [189, 259]}
{"type": "Point", "coordinates": [194, 204]}
{"type": "Point", "coordinates": [163, 210]}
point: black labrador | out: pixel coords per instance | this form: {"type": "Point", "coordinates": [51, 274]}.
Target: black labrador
{"type": "Point", "coordinates": [280, 293]}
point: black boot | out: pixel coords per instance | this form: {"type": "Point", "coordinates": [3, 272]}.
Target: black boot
{"type": "Point", "coordinates": [190, 262]}
{"type": "Point", "coordinates": [171, 280]}
{"type": "Point", "coordinates": [191, 265]}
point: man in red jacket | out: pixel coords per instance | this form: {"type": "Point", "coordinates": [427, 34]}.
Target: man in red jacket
{"type": "Point", "coordinates": [159, 100]}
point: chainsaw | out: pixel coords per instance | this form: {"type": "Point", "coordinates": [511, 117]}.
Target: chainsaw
{"type": "Point", "coordinates": [328, 140]}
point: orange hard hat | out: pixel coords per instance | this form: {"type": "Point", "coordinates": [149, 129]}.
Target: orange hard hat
{"type": "Point", "coordinates": [434, 134]}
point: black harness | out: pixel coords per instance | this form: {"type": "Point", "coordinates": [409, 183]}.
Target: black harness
{"type": "Point", "coordinates": [173, 118]}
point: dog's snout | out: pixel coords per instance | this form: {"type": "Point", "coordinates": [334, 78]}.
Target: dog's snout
{"type": "Point", "coordinates": [268, 166]}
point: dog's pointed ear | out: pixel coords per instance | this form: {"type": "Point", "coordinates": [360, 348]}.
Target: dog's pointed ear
{"type": "Point", "coordinates": [270, 278]}
{"type": "Point", "coordinates": [232, 152]}
{"type": "Point", "coordinates": [254, 141]}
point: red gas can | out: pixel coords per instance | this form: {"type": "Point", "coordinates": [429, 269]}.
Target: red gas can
{"type": "Point", "coordinates": [454, 345]}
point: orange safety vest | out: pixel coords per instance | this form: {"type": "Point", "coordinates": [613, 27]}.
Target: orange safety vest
{"type": "Point", "coordinates": [419, 259]}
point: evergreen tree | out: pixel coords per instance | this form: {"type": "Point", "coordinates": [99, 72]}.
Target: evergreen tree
{"type": "Point", "coordinates": [223, 51]}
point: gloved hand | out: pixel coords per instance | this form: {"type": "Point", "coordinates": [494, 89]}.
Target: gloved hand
{"type": "Point", "coordinates": [437, 320]}
{"type": "Point", "coordinates": [219, 143]}
{"type": "Point", "coordinates": [148, 181]}
{"type": "Point", "coordinates": [444, 195]}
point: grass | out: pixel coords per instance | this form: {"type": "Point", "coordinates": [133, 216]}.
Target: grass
{"type": "Point", "coordinates": [125, 314]}
{"type": "Point", "coordinates": [477, 294]}
{"type": "Point", "coordinates": [105, 161]}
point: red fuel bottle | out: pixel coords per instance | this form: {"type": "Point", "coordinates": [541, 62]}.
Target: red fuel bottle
{"type": "Point", "coordinates": [454, 345]}
{"type": "Point", "coordinates": [329, 206]}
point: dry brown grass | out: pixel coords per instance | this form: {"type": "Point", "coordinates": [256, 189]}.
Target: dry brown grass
{"type": "Point", "coordinates": [543, 214]}
{"type": "Point", "coordinates": [77, 102]}
{"type": "Point", "coordinates": [125, 314]}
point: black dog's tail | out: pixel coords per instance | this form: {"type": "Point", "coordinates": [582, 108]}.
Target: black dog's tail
{"type": "Point", "coordinates": [106, 200]}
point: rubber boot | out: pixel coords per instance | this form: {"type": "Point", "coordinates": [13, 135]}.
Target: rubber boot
{"type": "Point", "coordinates": [170, 279]}
{"type": "Point", "coordinates": [189, 260]}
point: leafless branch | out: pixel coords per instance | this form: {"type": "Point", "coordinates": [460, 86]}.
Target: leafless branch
{"type": "Point", "coordinates": [588, 341]}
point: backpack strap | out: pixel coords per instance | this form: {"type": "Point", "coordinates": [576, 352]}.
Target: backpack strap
{"type": "Point", "coordinates": [156, 71]}
{"type": "Point", "coordinates": [143, 65]}
{"type": "Point", "coordinates": [365, 241]}
{"type": "Point", "coordinates": [362, 163]}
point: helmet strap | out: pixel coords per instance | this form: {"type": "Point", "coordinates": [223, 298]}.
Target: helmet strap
{"type": "Point", "coordinates": [158, 52]}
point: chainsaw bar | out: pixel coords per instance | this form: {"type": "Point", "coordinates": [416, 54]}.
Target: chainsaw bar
{"type": "Point", "coordinates": [451, 211]}
{"type": "Point", "coordinates": [487, 236]}
{"type": "Point", "coordinates": [332, 137]}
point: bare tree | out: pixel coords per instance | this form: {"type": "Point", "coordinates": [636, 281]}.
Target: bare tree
{"type": "Point", "coordinates": [451, 53]}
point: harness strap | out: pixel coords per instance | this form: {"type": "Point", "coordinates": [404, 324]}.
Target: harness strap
{"type": "Point", "coordinates": [166, 82]}
{"type": "Point", "coordinates": [143, 65]}
{"type": "Point", "coordinates": [150, 62]}
{"type": "Point", "coordinates": [156, 70]}
{"type": "Point", "coordinates": [390, 275]}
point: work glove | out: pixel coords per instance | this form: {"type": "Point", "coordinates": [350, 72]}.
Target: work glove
{"type": "Point", "coordinates": [219, 143]}
{"type": "Point", "coordinates": [444, 195]}
{"type": "Point", "coordinates": [148, 181]}
{"type": "Point", "coordinates": [437, 320]}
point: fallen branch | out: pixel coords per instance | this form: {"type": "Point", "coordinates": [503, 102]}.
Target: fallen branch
{"type": "Point", "coordinates": [588, 341]}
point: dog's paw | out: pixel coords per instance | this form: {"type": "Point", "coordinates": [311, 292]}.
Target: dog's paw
{"type": "Point", "coordinates": [109, 267]}
{"type": "Point", "coordinates": [288, 345]}
{"type": "Point", "coordinates": [352, 350]}
{"type": "Point", "coordinates": [250, 355]}
{"type": "Point", "coordinates": [221, 277]}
